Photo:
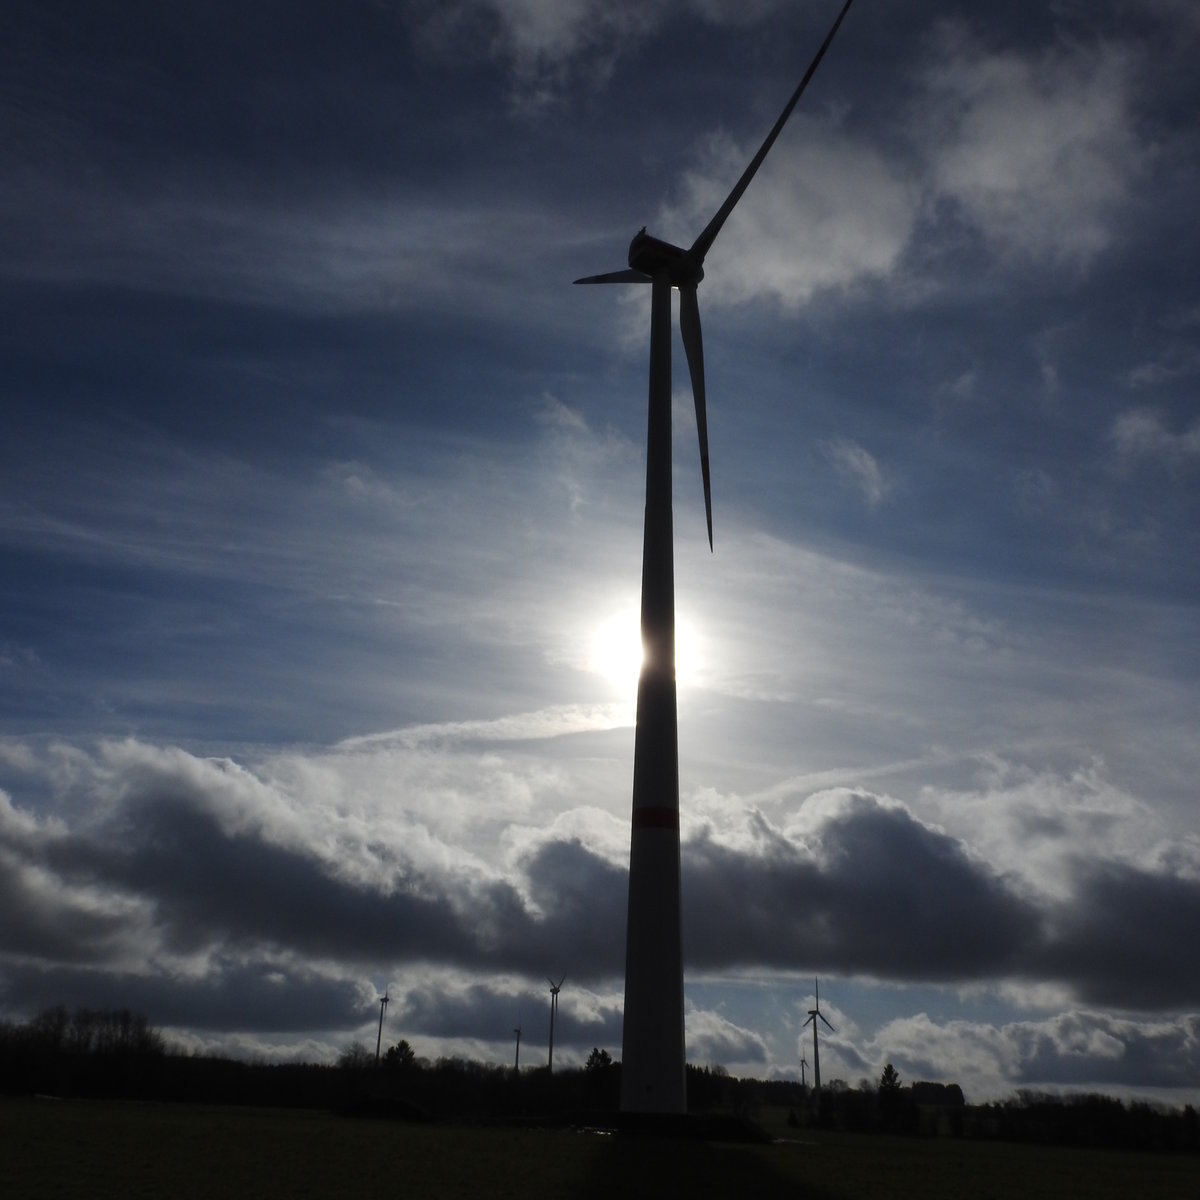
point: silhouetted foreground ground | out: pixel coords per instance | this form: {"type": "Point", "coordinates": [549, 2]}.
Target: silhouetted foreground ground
{"type": "Point", "coordinates": [103, 1149]}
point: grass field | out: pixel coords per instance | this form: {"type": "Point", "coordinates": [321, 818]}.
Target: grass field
{"type": "Point", "coordinates": [57, 1149]}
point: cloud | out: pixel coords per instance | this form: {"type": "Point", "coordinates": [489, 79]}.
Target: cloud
{"type": "Point", "coordinates": [543, 43]}
{"type": "Point", "coordinates": [536, 726]}
{"type": "Point", "coordinates": [854, 885]}
{"type": "Point", "coordinates": [841, 210]}
{"type": "Point", "coordinates": [858, 466]}
{"type": "Point", "coordinates": [229, 995]}
{"type": "Point", "coordinates": [1076, 1048]}
{"type": "Point", "coordinates": [713, 1039]}
{"type": "Point", "coordinates": [1141, 434]}
{"type": "Point", "coordinates": [1120, 938]}
{"type": "Point", "coordinates": [1039, 824]}
{"type": "Point", "coordinates": [310, 254]}
{"type": "Point", "coordinates": [265, 908]}
{"type": "Point", "coordinates": [1038, 152]}
{"type": "Point", "coordinates": [445, 1008]}
{"type": "Point", "coordinates": [548, 43]}
{"type": "Point", "coordinates": [207, 855]}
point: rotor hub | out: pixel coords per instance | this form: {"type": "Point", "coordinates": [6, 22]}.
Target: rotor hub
{"type": "Point", "coordinates": [650, 255]}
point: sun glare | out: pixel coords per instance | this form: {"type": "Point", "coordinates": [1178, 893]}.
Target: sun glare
{"type": "Point", "coordinates": [616, 651]}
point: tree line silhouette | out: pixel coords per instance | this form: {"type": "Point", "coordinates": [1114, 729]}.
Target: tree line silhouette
{"type": "Point", "coordinates": [115, 1053]}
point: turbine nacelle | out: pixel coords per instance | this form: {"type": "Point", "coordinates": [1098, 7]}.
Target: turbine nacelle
{"type": "Point", "coordinates": [650, 255]}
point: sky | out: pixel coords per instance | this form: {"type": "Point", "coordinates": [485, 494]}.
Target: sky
{"type": "Point", "coordinates": [320, 527]}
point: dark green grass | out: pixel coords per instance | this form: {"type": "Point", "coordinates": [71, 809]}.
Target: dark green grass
{"type": "Point", "coordinates": [51, 1149]}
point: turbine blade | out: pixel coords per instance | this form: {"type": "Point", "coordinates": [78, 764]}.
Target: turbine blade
{"type": "Point", "coordinates": [626, 276]}
{"type": "Point", "coordinates": [702, 244]}
{"type": "Point", "coordinates": [831, 1028]}
{"type": "Point", "coordinates": [693, 345]}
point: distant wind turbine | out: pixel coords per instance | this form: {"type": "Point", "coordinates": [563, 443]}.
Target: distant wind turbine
{"type": "Point", "coordinates": [815, 1014]}
{"type": "Point", "coordinates": [554, 990]}
{"type": "Point", "coordinates": [653, 1072]}
{"type": "Point", "coordinates": [803, 1064]}
{"type": "Point", "coordinates": [517, 1060]}
{"type": "Point", "coordinates": [384, 1001]}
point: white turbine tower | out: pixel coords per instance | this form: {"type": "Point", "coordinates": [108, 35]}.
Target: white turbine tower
{"type": "Point", "coordinates": [815, 1015]}
{"type": "Point", "coordinates": [653, 1078]}
{"type": "Point", "coordinates": [554, 990]}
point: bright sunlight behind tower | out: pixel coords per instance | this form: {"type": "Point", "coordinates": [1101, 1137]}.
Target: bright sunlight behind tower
{"type": "Point", "coordinates": [615, 650]}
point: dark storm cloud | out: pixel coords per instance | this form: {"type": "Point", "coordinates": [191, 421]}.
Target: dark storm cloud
{"type": "Point", "coordinates": [164, 874]}
{"type": "Point", "coordinates": [37, 921]}
{"type": "Point", "coordinates": [37, 918]}
{"type": "Point", "coordinates": [210, 885]}
{"type": "Point", "coordinates": [1075, 1049]}
{"type": "Point", "coordinates": [230, 995]}
{"type": "Point", "coordinates": [164, 859]}
{"type": "Point", "coordinates": [583, 897]}
{"type": "Point", "coordinates": [1126, 937]}
{"type": "Point", "coordinates": [1089, 1048]}
{"type": "Point", "coordinates": [883, 895]}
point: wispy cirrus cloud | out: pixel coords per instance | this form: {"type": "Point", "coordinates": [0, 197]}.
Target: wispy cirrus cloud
{"type": "Point", "coordinates": [859, 466]}
{"type": "Point", "coordinates": [185, 237]}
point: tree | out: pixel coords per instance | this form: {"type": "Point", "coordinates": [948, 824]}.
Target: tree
{"type": "Point", "coordinates": [895, 1109]}
{"type": "Point", "coordinates": [399, 1057]}
{"type": "Point", "coordinates": [356, 1057]}
{"type": "Point", "coordinates": [598, 1060]}
{"type": "Point", "coordinates": [602, 1080]}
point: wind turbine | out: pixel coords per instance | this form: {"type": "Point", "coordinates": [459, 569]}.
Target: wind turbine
{"type": "Point", "coordinates": [653, 1070]}
{"type": "Point", "coordinates": [815, 1014]}
{"type": "Point", "coordinates": [554, 990]}
{"type": "Point", "coordinates": [384, 1001]}
{"type": "Point", "coordinates": [517, 1060]}
{"type": "Point", "coordinates": [803, 1065]}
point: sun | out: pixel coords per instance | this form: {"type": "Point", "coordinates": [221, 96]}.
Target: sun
{"type": "Point", "coordinates": [615, 650]}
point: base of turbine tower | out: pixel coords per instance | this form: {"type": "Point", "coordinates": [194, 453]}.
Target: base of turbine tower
{"type": "Point", "coordinates": [696, 1127]}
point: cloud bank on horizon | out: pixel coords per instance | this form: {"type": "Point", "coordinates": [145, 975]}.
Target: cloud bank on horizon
{"type": "Point", "coordinates": [321, 499]}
